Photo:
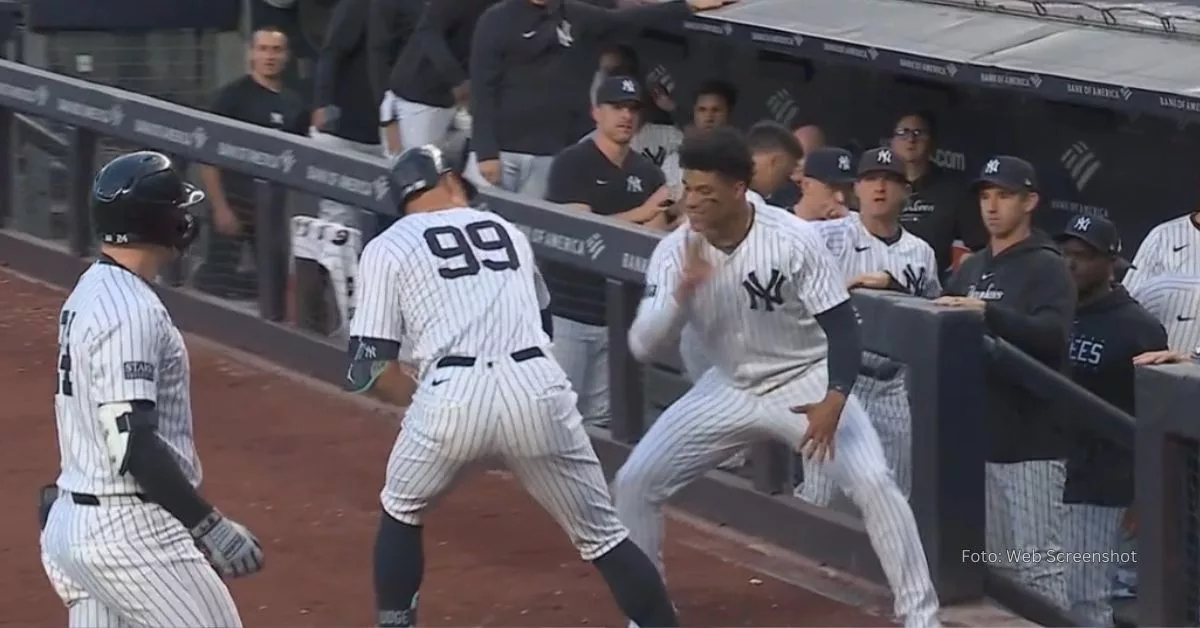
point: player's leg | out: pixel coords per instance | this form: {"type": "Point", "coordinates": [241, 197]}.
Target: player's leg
{"type": "Point", "coordinates": [136, 561]}
{"type": "Point", "coordinates": [703, 427]}
{"type": "Point", "coordinates": [548, 450]}
{"type": "Point", "coordinates": [441, 435]}
{"type": "Point", "coordinates": [1036, 519]}
{"type": "Point", "coordinates": [83, 611]}
{"type": "Point", "coordinates": [695, 363]}
{"type": "Point", "coordinates": [860, 470]}
{"type": "Point", "coordinates": [582, 352]}
{"type": "Point", "coordinates": [886, 404]}
{"type": "Point", "coordinates": [1096, 531]}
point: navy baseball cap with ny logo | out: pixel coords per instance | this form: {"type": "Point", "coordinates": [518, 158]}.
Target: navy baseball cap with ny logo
{"type": "Point", "coordinates": [1096, 231]}
{"type": "Point", "coordinates": [829, 165]}
{"type": "Point", "coordinates": [1011, 173]}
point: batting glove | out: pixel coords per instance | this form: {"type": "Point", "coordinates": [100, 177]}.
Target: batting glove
{"type": "Point", "coordinates": [231, 548]}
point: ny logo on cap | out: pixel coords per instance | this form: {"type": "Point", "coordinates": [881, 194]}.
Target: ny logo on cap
{"type": "Point", "coordinates": [991, 167]}
{"type": "Point", "coordinates": [628, 87]}
{"type": "Point", "coordinates": [844, 163]}
{"type": "Point", "coordinates": [884, 156]}
{"type": "Point", "coordinates": [1083, 223]}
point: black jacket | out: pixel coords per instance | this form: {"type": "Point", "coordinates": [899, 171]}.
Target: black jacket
{"type": "Point", "coordinates": [941, 210]}
{"type": "Point", "coordinates": [1108, 333]}
{"type": "Point", "coordinates": [390, 27]}
{"type": "Point", "coordinates": [342, 78]}
{"type": "Point", "coordinates": [435, 59]}
{"type": "Point", "coordinates": [525, 83]}
{"type": "Point", "coordinates": [1030, 303]}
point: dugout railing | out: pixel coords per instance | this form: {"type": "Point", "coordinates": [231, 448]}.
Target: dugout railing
{"type": "Point", "coordinates": [944, 350]}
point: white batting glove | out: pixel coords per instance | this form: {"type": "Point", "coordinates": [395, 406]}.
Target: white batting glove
{"type": "Point", "coordinates": [231, 549]}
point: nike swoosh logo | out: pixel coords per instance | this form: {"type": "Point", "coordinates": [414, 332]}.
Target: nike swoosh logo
{"type": "Point", "coordinates": [1184, 319]}
{"type": "Point", "coordinates": [860, 249]}
{"type": "Point", "coordinates": [529, 34]}
{"type": "Point", "coordinates": [985, 277]}
{"type": "Point", "coordinates": [438, 382]}
{"type": "Point", "coordinates": [599, 182]}
{"type": "Point", "coordinates": [1176, 249]}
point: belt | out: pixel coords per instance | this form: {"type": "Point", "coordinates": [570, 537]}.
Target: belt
{"type": "Point", "coordinates": [468, 361]}
{"type": "Point", "coordinates": [887, 371]}
{"type": "Point", "coordinates": [87, 499]}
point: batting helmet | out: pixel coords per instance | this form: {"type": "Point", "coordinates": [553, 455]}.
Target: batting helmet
{"type": "Point", "coordinates": [418, 170]}
{"type": "Point", "coordinates": [140, 198]}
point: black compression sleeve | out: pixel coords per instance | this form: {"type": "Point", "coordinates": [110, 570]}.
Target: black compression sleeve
{"type": "Point", "coordinates": [159, 475]}
{"type": "Point", "coordinates": [548, 323]}
{"type": "Point", "coordinates": [840, 324]}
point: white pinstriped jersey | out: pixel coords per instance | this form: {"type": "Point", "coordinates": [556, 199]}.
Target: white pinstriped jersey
{"type": "Point", "coordinates": [1175, 301]}
{"type": "Point", "coordinates": [117, 343]}
{"type": "Point", "coordinates": [755, 316]}
{"type": "Point", "coordinates": [660, 143]}
{"type": "Point", "coordinates": [910, 260]}
{"type": "Point", "coordinates": [451, 282]}
{"type": "Point", "coordinates": [1171, 248]}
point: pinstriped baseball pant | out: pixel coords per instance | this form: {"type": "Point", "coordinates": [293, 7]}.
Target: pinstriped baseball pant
{"type": "Point", "coordinates": [523, 412]}
{"type": "Point", "coordinates": [1091, 530]}
{"type": "Point", "coordinates": [126, 564]}
{"type": "Point", "coordinates": [713, 420]}
{"type": "Point", "coordinates": [1025, 516]}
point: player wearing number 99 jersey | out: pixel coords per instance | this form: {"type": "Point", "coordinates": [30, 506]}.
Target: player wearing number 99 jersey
{"type": "Point", "coordinates": [124, 527]}
{"type": "Point", "coordinates": [458, 290]}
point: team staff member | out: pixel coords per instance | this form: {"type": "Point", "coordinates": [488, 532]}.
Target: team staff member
{"type": "Point", "coordinates": [390, 25]}
{"type": "Point", "coordinates": [1171, 248]}
{"type": "Point", "coordinates": [940, 210]}
{"type": "Point", "coordinates": [1110, 330]}
{"type": "Point", "coordinates": [776, 154]}
{"type": "Point", "coordinates": [825, 184]}
{"type": "Point", "coordinates": [602, 175]}
{"type": "Point", "coordinates": [259, 98]}
{"type": "Point", "coordinates": [430, 78]}
{"type": "Point", "coordinates": [344, 105]}
{"type": "Point", "coordinates": [521, 66]}
{"type": "Point", "coordinates": [1021, 284]}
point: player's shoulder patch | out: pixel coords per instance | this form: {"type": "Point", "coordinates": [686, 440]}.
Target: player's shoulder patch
{"type": "Point", "coordinates": [135, 370]}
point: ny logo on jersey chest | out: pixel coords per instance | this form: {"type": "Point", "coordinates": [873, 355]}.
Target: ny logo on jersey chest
{"type": "Point", "coordinates": [915, 279]}
{"type": "Point", "coordinates": [764, 297]}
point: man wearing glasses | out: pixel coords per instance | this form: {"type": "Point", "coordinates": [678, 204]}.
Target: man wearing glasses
{"type": "Point", "coordinates": [939, 211]}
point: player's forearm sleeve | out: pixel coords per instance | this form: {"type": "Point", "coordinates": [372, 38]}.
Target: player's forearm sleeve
{"type": "Point", "coordinates": [659, 319]}
{"type": "Point", "coordinates": [161, 479]}
{"type": "Point", "coordinates": [548, 323]}
{"type": "Point", "coordinates": [840, 324]}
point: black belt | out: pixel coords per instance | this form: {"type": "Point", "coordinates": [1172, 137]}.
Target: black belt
{"type": "Point", "coordinates": [87, 499]}
{"type": "Point", "coordinates": [887, 371]}
{"type": "Point", "coordinates": [468, 361]}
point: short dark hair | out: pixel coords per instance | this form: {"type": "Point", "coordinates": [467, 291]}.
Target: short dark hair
{"type": "Point", "coordinates": [722, 89]}
{"type": "Point", "coordinates": [269, 28]}
{"type": "Point", "coordinates": [722, 150]}
{"type": "Point", "coordinates": [925, 116]}
{"type": "Point", "coordinates": [629, 62]}
{"type": "Point", "coordinates": [770, 136]}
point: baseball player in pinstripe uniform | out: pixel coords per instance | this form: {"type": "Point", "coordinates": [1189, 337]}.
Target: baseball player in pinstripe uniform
{"type": "Point", "coordinates": [875, 251]}
{"type": "Point", "coordinates": [125, 533]}
{"type": "Point", "coordinates": [459, 288]}
{"type": "Point", "coordinates": [1171, 248]}
{"type": "Point", "coordinates": [768, 301]}
{"type": "Point", "coordinates": [1174, 300]}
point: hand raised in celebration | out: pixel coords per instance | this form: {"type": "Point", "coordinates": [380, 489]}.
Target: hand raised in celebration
{"type": "Point", "coordinates": [823, 418]}
{"type": "Point", "coordinates": [696, 269]}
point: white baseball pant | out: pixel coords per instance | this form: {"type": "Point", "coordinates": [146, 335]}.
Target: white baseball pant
{"type": "Point", "coordinates": [523, 412]}
{"type": "Point", "coordinates": [1025, 518]}
{"type": "Point", "coordinates": [582, 351]}
{"type": "Point", "coordinates": [419, 124]}
{"type": "Point", "coordinates": [125, 563]}
{"type": "Point", "coordinates": [886, 403]}
{"type": "Point", "coordinates": [1094, 530]}
{"type": "Point", "coordinates": [714, 420]}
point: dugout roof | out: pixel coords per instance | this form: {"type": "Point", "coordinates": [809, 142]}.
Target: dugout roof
{"type": "Point", "coordinates": [1144, 58]}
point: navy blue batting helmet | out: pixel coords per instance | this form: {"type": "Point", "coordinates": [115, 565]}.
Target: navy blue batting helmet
{"type": "Point", "coordinates": [140, 198]}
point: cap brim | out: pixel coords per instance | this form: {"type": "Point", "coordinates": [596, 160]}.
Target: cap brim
{"type": "Point", "coordinates": [999, 183]}
{"type": "Point", "coordinates": [899, 176]}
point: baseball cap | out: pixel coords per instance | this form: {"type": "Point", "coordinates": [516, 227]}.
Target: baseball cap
{"type": "Point", "coordinates": [1098, 232]}
{"type": "Point", "coordinates": [881, 160]}
{"type": "Point", "coordinates": [1008, 172]}
{"type": "Point", "coordinates": [618, 89]}
{"type": "Point", "coordinates": [829, 165]}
